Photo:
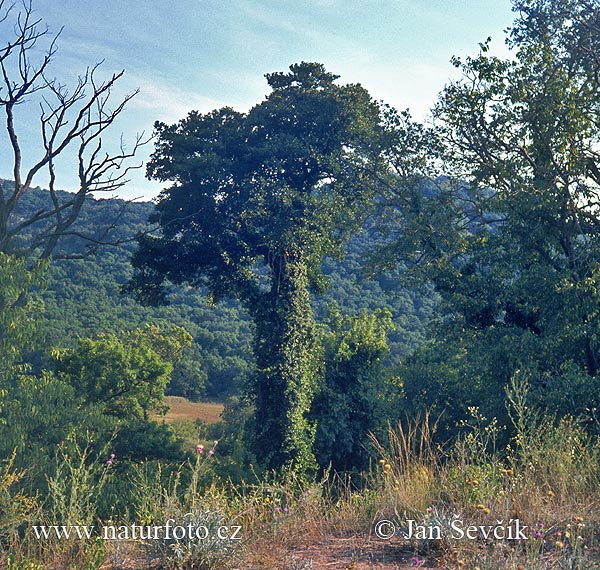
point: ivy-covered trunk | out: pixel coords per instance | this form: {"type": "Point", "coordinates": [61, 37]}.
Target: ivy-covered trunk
{"type": "Point", "coordinates": [287, 355]}
{"type": "Point", "coordinates": [276, 188]}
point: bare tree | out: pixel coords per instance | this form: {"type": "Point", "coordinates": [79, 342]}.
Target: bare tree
{"type": "Point", "coordinates": [72, 121]}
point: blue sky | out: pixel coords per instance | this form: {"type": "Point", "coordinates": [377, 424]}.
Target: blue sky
{"type": "Point", "coordinates": [203, 54]}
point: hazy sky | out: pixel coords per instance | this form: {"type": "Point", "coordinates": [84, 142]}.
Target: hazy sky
{"type": "Point", "coordinates": [203, 54]}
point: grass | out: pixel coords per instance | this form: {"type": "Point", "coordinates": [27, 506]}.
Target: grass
{"type": "Point", "coordinates": [183, 409]}
{"type": "Point", "coordinates": [185, 417]}
{"type": "Point", "coordinates": [548, 478]}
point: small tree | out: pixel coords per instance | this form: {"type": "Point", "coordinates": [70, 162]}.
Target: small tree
{"type": "Point", "coordinates": [258, 199]}
{"type": "Point", "coordinates": [125, 375]}
{"type": "Point", "coordinates": [353, 401]}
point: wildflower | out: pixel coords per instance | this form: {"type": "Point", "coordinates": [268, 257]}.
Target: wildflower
{"type": "Point", "coordinates": [199, 448]}
{"type": "Point", "coordinates": [550, 493]}
{"type": "Point", "coordinates": [415, 561]}
{"type": "Point", "coordinates": [211, 452]}
{"type": "Point", "coordinates": [481, 506]}
{"type": "Point", "coordinates": [277, 509]}
{"type": "Point", "coordinates": [112, 455]}
{"type": "Point", "coordinates": [109, 462]}
{"type": "Point", "coordinates": [216, 442]}
{"type": "Point", "coordinates": [267, 499]}
{"type": "Point", "coordinates": [486, 511]}
{"type": "Point", "coordinates": [382, 462]}
{"type": "Point", "coordinates": [285, 509]}
{"type": "Point", "coordinates": [539, 534]}
{"type": "Point", "coordinates": [541, 524]}
{"type": "Point", "coordinates": [558, 544]}
{"type": "Point", "coordinates": [430, 509]}
{"type": "Point", "coordinates": [578, 519]}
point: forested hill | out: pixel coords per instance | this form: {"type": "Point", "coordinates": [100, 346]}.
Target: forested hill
{"type": "Point", "coordinates": [82, 299]}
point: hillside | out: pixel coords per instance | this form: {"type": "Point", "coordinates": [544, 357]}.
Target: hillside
{"type": "Point", "coordinates": [82, 298]}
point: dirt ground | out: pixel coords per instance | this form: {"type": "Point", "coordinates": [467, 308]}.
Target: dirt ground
{"type": "Point", "coordinates": [352, 553]}
{"type": "Point", "coordinates": [330, 553]}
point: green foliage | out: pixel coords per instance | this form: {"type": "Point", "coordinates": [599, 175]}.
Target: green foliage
{"type": "Point", "coordinates": [511, 239]}
{"type": "Point", "coordinates": [81, 299]}
{"type": "Point", "coordinates": [233, 441]}
{"type": "Point", "coordinates": [287, 359]}
{"type": "Point", "coordinates": [78, 478]}
{"type": "Point", "coordinates": [15, 506]}
{"type": "Point", "coordinates": [17, 307]}
{"type": "Point", "coordinates": [125, 375]}
{"type": "Point", "coordinates": [185, 499]}
{"type": "Point", "coordinates": [75, 490]}
{"type": "Point", "coordinates": [137, 440]}
{"type": "Point", "coordinates": [355, 398]}
{"type": "Point", "coordinates": [39, 413]}
{"type": "Point", "coordinates": [258, 200]}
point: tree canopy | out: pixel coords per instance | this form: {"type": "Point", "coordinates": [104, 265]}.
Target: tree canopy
{"type": "Point", "coordinates": [510, 236]}
{"type": "Point", "coordinates": [292, 173]}
{"type": "Point", "coordinates": [258, 200]}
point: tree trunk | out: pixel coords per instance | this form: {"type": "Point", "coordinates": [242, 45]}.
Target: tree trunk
{"type": "Point", "coordinates": [287, 358]}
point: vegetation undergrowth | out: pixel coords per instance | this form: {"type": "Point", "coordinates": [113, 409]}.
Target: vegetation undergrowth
{"type": "Point", "coordinates": [547, 478]}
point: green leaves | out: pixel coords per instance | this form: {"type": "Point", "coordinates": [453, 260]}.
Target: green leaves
{"type": "Point", "coordinates": [125, 375]}
{"type": "Point", "coordinates": [354, 399]}
{"type": "Point", "coordinates": [294, 173]}
{"type": "Point", "coordinates": [17, 307]}
{"type": "Point", "coordinates": [510, 235]}
{"type": "Point", "coordinates": [258, 200]}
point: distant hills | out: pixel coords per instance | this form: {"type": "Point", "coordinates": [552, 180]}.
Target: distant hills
{"type": "Point", "coordinates": [82, 298]}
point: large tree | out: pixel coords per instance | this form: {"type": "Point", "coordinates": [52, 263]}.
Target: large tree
{"type": "Point", "coordinates": [512, 241]}
{"type": "Point", "coordinates": [258, 199]}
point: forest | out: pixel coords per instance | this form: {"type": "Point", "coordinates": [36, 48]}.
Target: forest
{"type": "Point", "coordinates": [400, 320]}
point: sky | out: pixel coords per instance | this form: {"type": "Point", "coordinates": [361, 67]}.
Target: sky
{"type": "Point", "coordinates": [205, 54]}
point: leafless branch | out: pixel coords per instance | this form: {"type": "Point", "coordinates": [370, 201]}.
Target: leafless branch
{"type": "Point", "coordinates": [71, 120]}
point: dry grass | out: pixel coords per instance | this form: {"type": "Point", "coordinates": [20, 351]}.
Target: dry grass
{"type": "Point", "coordinates": [183, 409]}
{"type": "Point", "coordinates": [549, 479]}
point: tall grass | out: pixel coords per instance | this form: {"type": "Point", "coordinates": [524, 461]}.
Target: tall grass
{"type": "Point", "coordinates": [548, 477]}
